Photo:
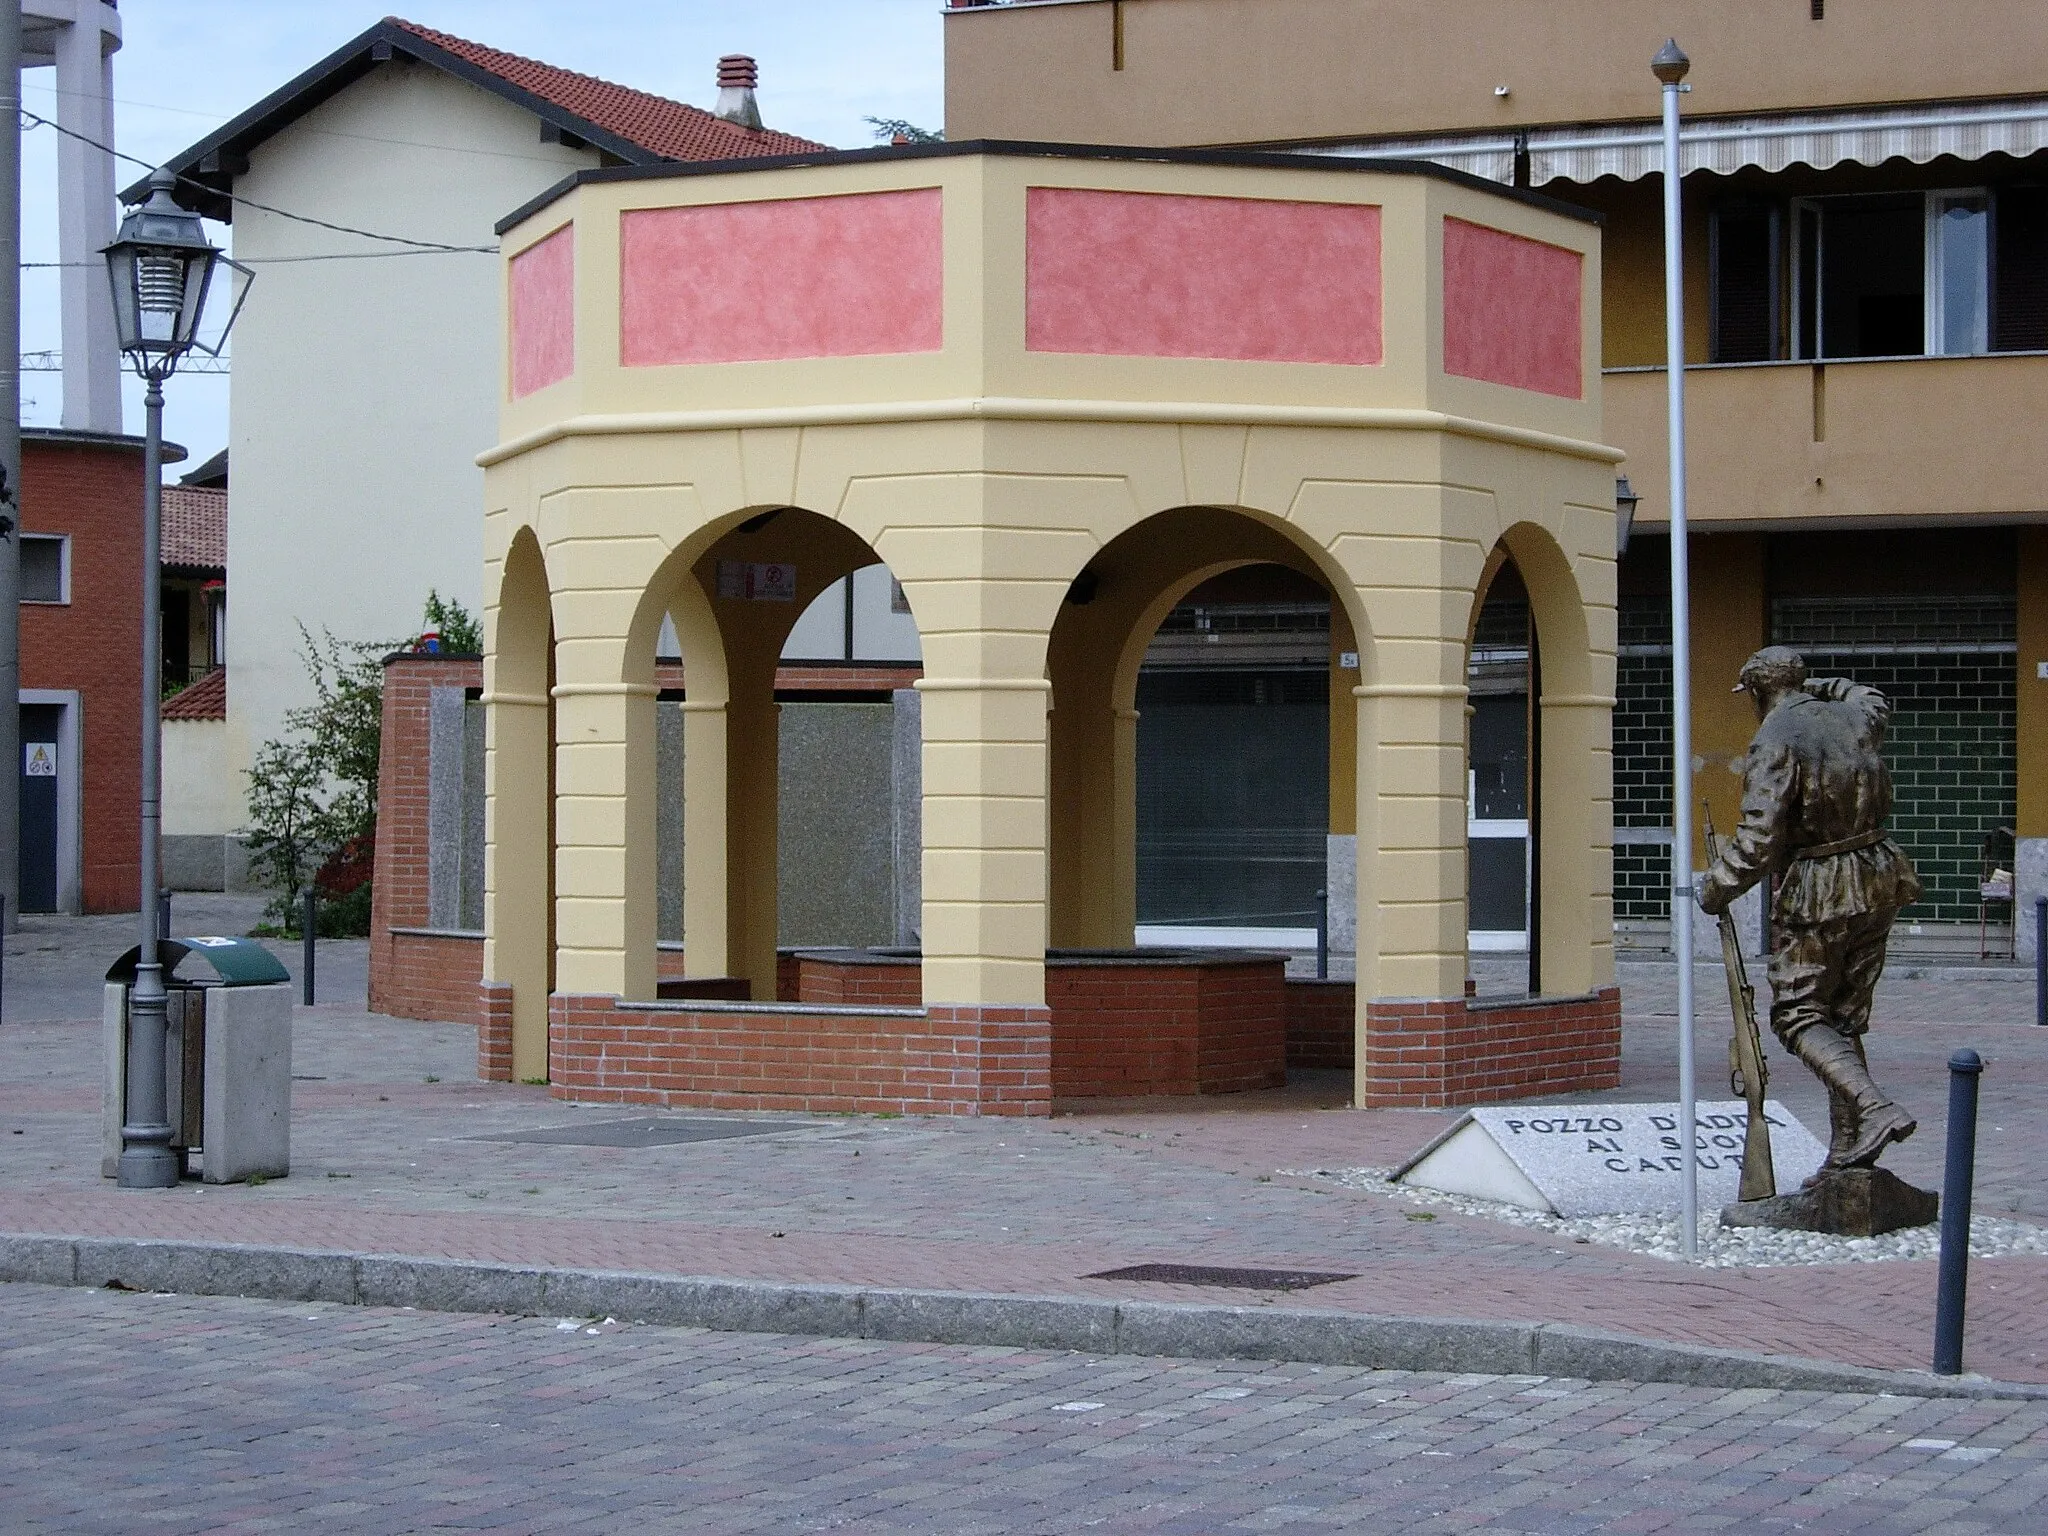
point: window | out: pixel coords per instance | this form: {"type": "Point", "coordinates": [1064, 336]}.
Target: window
{"type": "Point", "coordinates": [45, 568]}
{"type": "Point", "coordinates": [1743, 283]}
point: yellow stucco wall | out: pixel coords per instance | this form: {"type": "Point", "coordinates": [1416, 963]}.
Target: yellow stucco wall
{"type": "Point", "coordinates": [2032, 745]}
{"type": "Point", "coordinates": [989, 478]}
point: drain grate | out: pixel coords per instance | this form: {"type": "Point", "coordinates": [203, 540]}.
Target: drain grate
{"type": "Point", "coordinates": [1234, 1279]}
{"type": "Point", "coordinates": [649, 1131]}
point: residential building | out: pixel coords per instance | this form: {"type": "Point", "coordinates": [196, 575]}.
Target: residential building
{"type": "Point", "coordinates": [194, 553]}
{"type": "Point", "coordinates": [81, 669]}
{"type": "Point", "coordinates": [363, 194]}
{"type": "Point", "coordinates": [1866, 260]}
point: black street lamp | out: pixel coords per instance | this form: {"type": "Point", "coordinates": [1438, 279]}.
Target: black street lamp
{"type": "Point", "coordinates": [161, 268]}
{"type": "Point", "coordinates": [1625, 503]}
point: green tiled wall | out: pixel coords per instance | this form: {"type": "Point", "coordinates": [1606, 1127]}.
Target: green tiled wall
{"type": "Point", "coordinates": [1642, 757]}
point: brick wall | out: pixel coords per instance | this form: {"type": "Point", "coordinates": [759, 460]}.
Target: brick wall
{"type": "Point", "coordinates": [415, 975]}
{"type": "Point", "coordinates": [426, 975]}
{"type": "Point", "coordinates": [957, 1060]}
{"type": "Point", "coordinates": [1435, 1054]}
{"type": "Point", "coordinates": [91, 489]}
{"type": "Point", "coordinates": [1322, 1027]}
{"type": "Point", "coordinates": [494, 1031]}
{"type": "Point", "coordinates": [858, 983]}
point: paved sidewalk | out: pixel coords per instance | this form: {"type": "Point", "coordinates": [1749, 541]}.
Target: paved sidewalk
{"type": "Point", "coordinates": [123, 1412]}
{"type": "Point", "coordinates": [386, 1161]}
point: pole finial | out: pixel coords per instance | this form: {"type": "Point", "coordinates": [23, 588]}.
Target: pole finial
{"type": "Point", "coordinates": [1671, 64]}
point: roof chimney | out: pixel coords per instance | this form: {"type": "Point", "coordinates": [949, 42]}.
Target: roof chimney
{"type": "Point", "coordinates": [737, 75]}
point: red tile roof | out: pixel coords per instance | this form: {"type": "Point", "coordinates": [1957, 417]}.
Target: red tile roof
{"type": "Point", "coordinates": [206, 699]}
{"type": "Point", "coordinates": [672, 129]}
{"type": "Point", "coordinates": [195, 529]}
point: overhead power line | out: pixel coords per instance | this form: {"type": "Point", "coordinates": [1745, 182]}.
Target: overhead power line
{"type": "Point", "coordinates": [53, 362]}
{"type": "Point", "coordinates": [36, 121]}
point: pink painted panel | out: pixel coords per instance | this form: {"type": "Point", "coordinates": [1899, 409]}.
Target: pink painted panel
{"type": "Point", "coordinates": [847, 276]}
{"type": "Point", "coordinates": [1511, 310]}
{"type": "Point", "coordinates": [544, 312]}
{"type": "Point", "coordinates": [1147, 274]}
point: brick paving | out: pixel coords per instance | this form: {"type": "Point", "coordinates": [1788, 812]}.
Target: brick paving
{"type": "Point", "coordinates": [383, 1162]}
{"type": "Point", "coordinates": [133, 1411]}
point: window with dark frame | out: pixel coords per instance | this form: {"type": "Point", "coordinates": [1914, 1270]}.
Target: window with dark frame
{"type": "Point", "coordinates": [1743, 261]}
{"type": "Point", "coordinates": [42, 568]}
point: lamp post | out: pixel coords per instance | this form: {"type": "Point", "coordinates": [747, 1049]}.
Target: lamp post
{"type": "Point", "coordinates": [1670, 67]}
{"type": "Point", "coordinates": [161, 267]}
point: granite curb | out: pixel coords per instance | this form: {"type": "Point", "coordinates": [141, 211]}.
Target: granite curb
{"type": "Point", "coordinates": [1087, 1325]}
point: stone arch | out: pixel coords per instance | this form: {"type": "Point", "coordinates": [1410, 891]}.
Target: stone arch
{"type": "Point", "coordinates": [730, 650]}
{"type": "Point", "coordinates": [1571, 775]}
{"type": "Point", "coordinates": [519, 781]}
{"type": "Point", "coordinates": [1098, 642]}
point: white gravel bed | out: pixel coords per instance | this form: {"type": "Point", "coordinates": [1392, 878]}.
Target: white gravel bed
{"type": "Point", "coordinates": [1719, 1247]}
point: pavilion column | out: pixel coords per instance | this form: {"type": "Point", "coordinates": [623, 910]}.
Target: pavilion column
{"type": "Point", "coordinates": [516, 854]}
{"type": "Point", "coordinates": [1576, 893]}
{"type": "Point", "coordinates": [1092, 816]}
{"type": "Point", "coordinates": [707, 898]}
{"type": "Point", "coordinates": [984, 838]}
{"type": "Point", "coordinates": [753, 783]}
{"type": "Point", "coordinates": [1411, 844]}
{"type": "Point", "coordinates": [604, 837]}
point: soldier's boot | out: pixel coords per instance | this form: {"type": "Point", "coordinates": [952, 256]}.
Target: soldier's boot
{"type": "Point", "coordinates": [1878, 1122]}
{"type": "Point", "coordinates": [1842, 1123]}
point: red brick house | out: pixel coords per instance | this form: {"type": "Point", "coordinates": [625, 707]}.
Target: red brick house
{"type": "Point", "coordinates": [81, 660]}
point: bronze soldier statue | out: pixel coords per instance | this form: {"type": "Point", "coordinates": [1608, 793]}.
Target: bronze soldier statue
{"type": "Point", "coordinates": [1815, 796]}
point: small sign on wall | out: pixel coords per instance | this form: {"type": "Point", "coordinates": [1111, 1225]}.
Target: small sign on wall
{"type": "Point", "coordinates": [749, 582]}
{"type": "Point", "coordinates": [39, 759]}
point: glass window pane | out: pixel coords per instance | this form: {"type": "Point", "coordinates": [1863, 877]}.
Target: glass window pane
{"type": "Point", "coordinates": [1962, 243]}
{"type": "Point", "coordinates": [42, 569]}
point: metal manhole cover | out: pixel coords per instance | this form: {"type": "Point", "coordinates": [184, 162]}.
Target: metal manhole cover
{"type": "Point", "coordinates": [649, 1131]}
{"type": "Point", "coordinates": [1235, 1279]}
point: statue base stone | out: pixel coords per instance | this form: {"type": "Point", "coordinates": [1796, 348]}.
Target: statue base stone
{"type": "Point", "coordinates": [1857, 1202]}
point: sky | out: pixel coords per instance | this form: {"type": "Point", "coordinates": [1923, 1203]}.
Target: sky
{"type": "Point", "coordinates": [187, 66]}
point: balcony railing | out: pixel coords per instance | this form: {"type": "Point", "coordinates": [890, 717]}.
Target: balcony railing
{"type": "Point", "coordinates": [1847, 440]}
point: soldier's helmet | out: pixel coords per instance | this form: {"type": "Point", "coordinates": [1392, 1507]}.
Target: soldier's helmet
{"type": "Point", "coordinates": [1775, 667]}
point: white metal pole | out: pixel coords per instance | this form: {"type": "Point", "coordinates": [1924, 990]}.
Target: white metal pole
{"type": "Point", "coordinates": [1670, 67]}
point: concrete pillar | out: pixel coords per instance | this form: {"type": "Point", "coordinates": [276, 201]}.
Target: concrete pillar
{"type": "Point", "coordinates": [1576, 895]}
{"type": "Point", "coordinates": [84, 58]}
{"type": "Point", "coordinates": [984, 835]}
{"type": "Point", "coordinates": [604, 830]}
{"type": "Point", "coordinates": [1411, 842]}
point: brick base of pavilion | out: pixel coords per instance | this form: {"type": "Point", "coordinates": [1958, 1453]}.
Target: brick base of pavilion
{"type": "Point", "coordinates": [847, 1033]}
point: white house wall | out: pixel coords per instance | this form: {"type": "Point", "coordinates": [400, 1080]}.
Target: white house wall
{"type": "Point", "coordinates": [363, 388]}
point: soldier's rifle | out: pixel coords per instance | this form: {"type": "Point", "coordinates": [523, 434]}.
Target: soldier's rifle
{"type": "Point", "coordinates": [1748, 1073]}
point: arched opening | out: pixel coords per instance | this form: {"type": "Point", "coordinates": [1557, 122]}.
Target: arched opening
{"type": "Point", "coordinates": [519, 806]}
{"type": "Point", "coordinates": [1201, 746]}
{"type": "Point", "coordinates": [768, 658]}
{"type": "Point", "coordinates": [1537, 780]}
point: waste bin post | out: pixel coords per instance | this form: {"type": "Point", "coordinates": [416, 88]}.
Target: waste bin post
{"type": "Point", "coordinates": [1322, 935]}
{"type": "Point", "coordinates": [306, 923]}
{"type": "Point", "coordinates": [1964, 1068]}
{"type": "Point", "coordinates": [2041, 960]}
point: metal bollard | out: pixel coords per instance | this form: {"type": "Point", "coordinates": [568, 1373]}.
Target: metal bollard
{"type": "Point", "coordinates": [306, 926]}
{"type": "Point", "coordinates": [163, 914]}
{"type": "Point", "coordinates": [1964, 1068]}
{"type": "Point", "coordinates": [3, 946]}
{"type": "Point", "coordinates": [2041, 960]}
{"type": "Point", "coordinates": [1322, 935]}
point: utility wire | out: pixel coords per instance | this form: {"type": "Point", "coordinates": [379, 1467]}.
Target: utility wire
{"type": "Point", "coordinates": [284, 261]}
{"type": "Point", "coordinates": [36, 121]}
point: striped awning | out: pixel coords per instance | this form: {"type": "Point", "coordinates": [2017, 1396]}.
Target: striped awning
{"type": "Point", "coordinates": [1631, 151]}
